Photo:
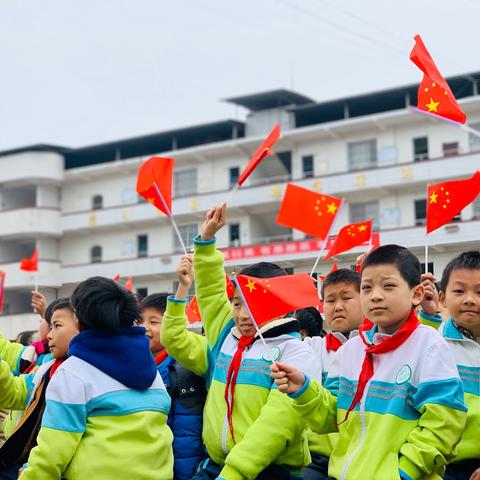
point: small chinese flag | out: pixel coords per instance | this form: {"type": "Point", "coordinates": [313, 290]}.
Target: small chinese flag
{"type": "Point", "coordinates": [116, 278]}
{"type": "Point", "coordinates": [264, 150]}
{"type": "Point", "coordinates": [269, 298]}
{"type": "Point", "coordinates": [350, 236]}
{"type": "Point", "coordinates": [158, 170]}
{"type": "Point", "coordinates": [2, 289]}
{"type": "Point", "coordinates": [334, 267]}
{"type": "Point", "coordinates": [192, 311]}
{"type": "Point", "coordinates": [448, 199]}
{"type": "Point", "coordinates": [129, 284]}
{"type": "Point", "coordinates": [434, 94]}
{"type": "Point", "coordinates": [308, 211]}
{"type": "Point", "coordinates": [30, 264]}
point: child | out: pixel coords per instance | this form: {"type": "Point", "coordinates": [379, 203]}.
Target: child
{"type": "Point", "coordinates": [460, 294]}
{"type": "Point", "coordinates": [343, 315]}
{"type": "Point", "coordinates": [250, 430]}
{"type": "Point", "coordinates": [400, 413]}
{"type": "Point", "coordinates": [106, 406]}
{"type": "Point", "coordinates": [187, 391]}
{"type": "Point", "coordinates": [27, 391]}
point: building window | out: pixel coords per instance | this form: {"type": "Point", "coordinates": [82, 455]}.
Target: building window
{"type": "Point", "coordinates": [450, 149]}
{"type": "Point", "coordinates": [96, 254]}
{"type": "Point", "coordinates": [420, 149]}
{"type": "Point", "coordinates": [307, 166]}
{"type": "Point", "coordinates": [362, 154]}
{"type": "Point", "coordinates": [188, 232]}
{"type": "Point", "coordinates": [142, 293]}
{"type": "Point", "coordinates": [363, 211]}
{"type": "Point", "coordinates": [234, 174]}
{"type": "Point", "coordinates": [474, 140]}
{"type": "Point", "coordinates": [420, 212]}
{"type": "Point", "coordinates": [185, 182]}
{"type": "Point", "coordinates": [97, 202]}
{"type": "Point", "coordinates": [430, 267]}
{"type": "Point", "coordinates": [142, 245]}
{"type": "Point", "coordinates": [476, 209]}
{"type": "Point", "coordinates": [234, 234]}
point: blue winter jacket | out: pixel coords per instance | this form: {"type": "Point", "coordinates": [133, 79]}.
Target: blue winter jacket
{"type": "Point", "coordinates": [188, 393]}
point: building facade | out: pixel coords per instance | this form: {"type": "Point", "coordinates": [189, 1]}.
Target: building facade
{"type": "Point", "coordinates": [80, 207]}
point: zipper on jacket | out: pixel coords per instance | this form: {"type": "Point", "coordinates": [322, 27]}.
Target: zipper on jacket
{"type": "Point", "coordinates": [362, 437]}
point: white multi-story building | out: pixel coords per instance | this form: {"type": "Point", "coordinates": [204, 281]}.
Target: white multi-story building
{"type": "Point", "coordinates": [79, 206]}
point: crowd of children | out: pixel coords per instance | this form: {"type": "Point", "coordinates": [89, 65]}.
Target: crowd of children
{"type": "Point", "coordinates": [119, 389]}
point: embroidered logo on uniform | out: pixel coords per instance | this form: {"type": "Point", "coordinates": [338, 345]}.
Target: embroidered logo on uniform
{"type": "Point", "coordinates": [404, 375]}
{"type": "Point", "coordinates": [272, 355]}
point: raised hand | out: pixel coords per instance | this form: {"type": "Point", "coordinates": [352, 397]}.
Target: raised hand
{"type": "Point", "coordinates": [288, 378]}
{"type": "Point", "coordinates": [39, 303]}
{"type": "Point", "coordinates": [215, 219]}
{"type": "Point", "coordinates": [429, 303]}
{"type": "Point", "coordinates": [185, 276]}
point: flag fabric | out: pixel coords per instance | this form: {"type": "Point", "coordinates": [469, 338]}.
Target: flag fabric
{"type": "Point", "coordinates": [334, 267]}
{"type": "Point", "coordinates": [269, 298]}
{"type": "Point", "coordinates": [2, 289]}
{"type": "Point", "coordinates": [434, 94]}
{"type": "Point", "coordinates": [30, 264]}
{"type": "Point", "coordinates": [448, 199]}
{"type": "Point", "coordinates": [308, 211]}
{"type": "Point", "coordinates": [129, 284]}
{"type": "Point", "coordinates": [116, 278]}
{"type": "Point", "coordinates": [350, 236]}
{"type": "Point", "coordinates": [264, 150]}
{"type": "Point", "coordinates": [157, 170]}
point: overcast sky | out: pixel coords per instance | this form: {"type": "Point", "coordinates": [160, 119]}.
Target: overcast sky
{"type": "Point", "coordinates": [75, 73]}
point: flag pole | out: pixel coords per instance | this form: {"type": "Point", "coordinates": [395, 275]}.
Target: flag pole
{"type": "Point", "coordinates": [36, 281]}
{"type": "Point", "coordinates": [325, 240]}
{"type": "Point", "coordinates": [230, 193]}
{"type": "Point", "coordinates": [426, 253]}
{"type": "Point", "coordinates": [169, 213]}
{"type": "Point", "coordinates": [470, 130]}
{"type": "Point", "coordinates": [250, 313]}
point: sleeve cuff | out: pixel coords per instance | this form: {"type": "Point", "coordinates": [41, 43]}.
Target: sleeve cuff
{"type": "Point", "coordinates": [308, 395]}
{"type": "Point", "coordinates": [302, 390]}
{"type": "Point", "coordinates": [175, 307]}
{"type": "Point", "coordinates": [431, 321]}
{"type": "Point", "coordinates": [408, 470]}
{"type": "Point", "coordinates": [198, 242]}
{"type": "Point", "coordinates": [230, 473]}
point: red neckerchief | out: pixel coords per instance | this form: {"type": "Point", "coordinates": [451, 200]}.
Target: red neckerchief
{"type": "Point", "coordinates": [332, 342]}
{"type": "Point", "coordinates": [232, 374]}
{"type": "Point", "coordinates": [387, 345]}
{"type": "Point", "coordinates": [161, 357]}
{"type": "Point", "coordinates": [55, 365]}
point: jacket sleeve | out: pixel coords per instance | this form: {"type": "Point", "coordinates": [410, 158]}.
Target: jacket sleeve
{"type": "Point", "coordinates": [265, 439]}
{"type": "Point", "coordinates": [11, 353]}
{"type": "Point", "coordinates": [210, 287]}
{"type": "Point", "coordinates": [63, 425]}
{"type": "Point", "coordinates": [187, 348]}
{"type": "Point", "coordinates": [13, 390]}
{"type": "Point", "coordinates": [430, 321]}
{"type": "Point", "coordinates": [439, 400]}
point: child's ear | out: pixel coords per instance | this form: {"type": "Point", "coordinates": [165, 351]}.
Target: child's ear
{"type": "Point", "coordinates": [442, 299]}
{"type": "Point", "coordinates": [418, 293]}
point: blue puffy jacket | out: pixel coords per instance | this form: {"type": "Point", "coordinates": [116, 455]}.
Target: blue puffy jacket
{"type": "Point", "coordinates": [188, 393]}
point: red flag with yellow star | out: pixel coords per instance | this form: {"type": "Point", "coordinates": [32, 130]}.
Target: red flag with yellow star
{"type": "Point", "coordinates": [269, 298]}
{"type": "Point", "coordinates": [129, 284]}
{"type": "Point", "coordinates": [262, 151]}
{"type": "Point", "coordinates": [448, 199]}
{"type": "Point", "coordinates": [308, 211]}
{"type": "Point", "coordinates": [350, 236]}
{"type": "Point", "coordinates": [30, 264]}
{"type": "Point", "coordinates": [158, 171]}
{"type": "Point", "coordinates": [434, 94]}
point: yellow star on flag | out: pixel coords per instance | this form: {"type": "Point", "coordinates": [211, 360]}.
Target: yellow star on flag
{"type": "Point", "coordinates": [362, 228]}
{"type": "Point", "coordinates": [332, 208]}
{"type": "Point", "coordinates": [433, 198]}
{"type": "Point", "coordinates": [151, 200]}
{"type": "Point", "coordinates": [251, 285]}
{"type": "Point", "coordinates": [432, 106]}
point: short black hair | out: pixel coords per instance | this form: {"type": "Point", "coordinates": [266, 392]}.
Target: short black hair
{"type": "Point", "coordinates": [406, 262]}
{"type": "Point", "coordinates": [102, 304]}
{"type": "Point", "coordinates": [263, 270]}
{"type": "Point", "coordinates": [25, 338]}
{"type": "Point", "coordinates": [155, 300]}
{"type": "Point", "coordinates": [58, 304]}
{"type": "Point", "coordinates": [465, 261]}
{"type": "Point", "coordinates": [310, 320]}
{"type": "Point", "coordinates": [342, 275]}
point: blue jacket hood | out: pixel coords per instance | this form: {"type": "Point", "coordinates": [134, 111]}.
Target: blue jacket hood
{"type": "Point", "coordinates": [124, 355]}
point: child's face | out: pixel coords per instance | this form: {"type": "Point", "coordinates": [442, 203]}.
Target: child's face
{"type": "Point", "coordinates": [342, 308]}
{"type": "Point", "coordinates": [462, 299]}
{"type": "Point", "coordinates": [241, 317]}
{"type": "Point", "coordinates": [152, 321]}
{"type": "Point", "coordinates": [386, 297]}
{"type": "Point", "coordinates": [64, 328]}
